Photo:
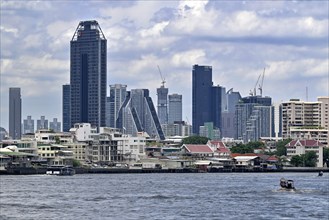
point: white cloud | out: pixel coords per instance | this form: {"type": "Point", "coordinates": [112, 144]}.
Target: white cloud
{"type": "Point", "coordinates": [188, 58]}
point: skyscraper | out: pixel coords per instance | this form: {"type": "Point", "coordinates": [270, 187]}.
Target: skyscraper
{"type": "Point", "coordinates": [28, 125]}
{"type": "Point", "coordinates": [228, 114]}
{"type": "Point", "coordinates": [42, 123]}
{"type": "Point", "coordinates": [162, 93]}
{"type": "Point", "coordinates": [55, 125]}
{"type": "Point", "coordinates": [175, 108]}
{"type": "Point", "coordinates": [207, 100]}
{"type": "Point", "coordinates": [15, 113]}
{"type": "Point", "coordinates": [201, 96]}
{"type": "Point", "coordinates": [66, 103]}
{"type": "Point", "coordinates": [88, 74]}
{"type": "Point", "coordinates": [137, 114]}
{"type": "Point", "coordinates": [114, 102]}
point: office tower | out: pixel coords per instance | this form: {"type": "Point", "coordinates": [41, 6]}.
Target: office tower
{"type": "Point", "coordinates": [88, 74]}
{"type": "Point", "coordinates": [207, 100]}
{"type": "Point", "coordinates": [55, 125]}
{"type": "Point", "coordinates": [298, 114]}
{"type": "Point", "coordinates": [175, 108]}
{"type": "Point", "coordinates": [66, 103]}
{"type": "Point", "coordinates": [228, 114]}
{"type": "Point", "coordinates": [15, 113]}
{"type": "Point", "coordinates": [254, 118]}
{"type": "Point", "coordinates": [42, 123]}
{"type": "Point", "coordinates": [114, 102]}
{"type": "Point", "coordinates": [208, 130]}
{"type": "Point", "coordinates": [28, 125]}
{"type": "Point", "coordinates": [162, 93]}
{"type": "Point", "coordinates": [137, 114]}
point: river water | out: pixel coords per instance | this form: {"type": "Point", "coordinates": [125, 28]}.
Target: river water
{"type": "Point", "coordinates": [164, 196]}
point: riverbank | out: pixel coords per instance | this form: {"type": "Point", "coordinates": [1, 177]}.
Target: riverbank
{"type": "Point", "coordinates": [33, 170]}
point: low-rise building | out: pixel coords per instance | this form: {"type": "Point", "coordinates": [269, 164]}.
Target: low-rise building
{"type": "Point", "coordinates": [299, 147]}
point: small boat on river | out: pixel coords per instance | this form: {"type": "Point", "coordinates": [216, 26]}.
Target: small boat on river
{"type": "Point", "coordinates": [60, 170]}
{"type": "Point", "coordinates": [321, 173]}
{"type": "Point", "coordinates": [287, 184]}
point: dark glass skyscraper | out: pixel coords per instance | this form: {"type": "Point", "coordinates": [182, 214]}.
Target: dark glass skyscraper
{"type": "Point", "coordinates": [66, 104]}
{"type": "Point", "coordinates": [88, 74]}
{"type": "Point", "coordinates": [15, 113]}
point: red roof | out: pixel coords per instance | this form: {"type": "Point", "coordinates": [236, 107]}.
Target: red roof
{"type": "Point", "coordinates": [247, 154]}
{"type": "Point", "coordinates": [223, 150]}
{"type": "Point", "coordinates": [305, 143]}
{"type": "Point", "coordinates": [218, 144]}
{"type": "Point", "coordinates": [272, 158]}
{"type": "Point", "coordinates": [198, 148]}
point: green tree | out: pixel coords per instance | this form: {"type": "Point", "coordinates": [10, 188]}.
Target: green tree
{"type": "Point", "coordinates": [296, 161]}
{"type": "Point", "coordinates": [310, 159]}
{"type": "Point", "coordinates": [242, 149]}
{"type": "Point", "coordinates": [195, 140]}
{"type": "Point", "coordinates": [76, 163]}
{"type": "Point", "coordinates": [281, 149]}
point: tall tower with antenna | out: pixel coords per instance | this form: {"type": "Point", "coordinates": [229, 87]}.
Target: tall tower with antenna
{"type": "Point", "coordinates": [162, 94]}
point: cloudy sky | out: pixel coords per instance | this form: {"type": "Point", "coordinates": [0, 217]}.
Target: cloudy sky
{"type": "Point", "coordinates": [238, 38]}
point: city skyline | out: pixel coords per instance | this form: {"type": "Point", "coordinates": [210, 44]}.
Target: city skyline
{"type": "Point", "coordinates": [238, 39]}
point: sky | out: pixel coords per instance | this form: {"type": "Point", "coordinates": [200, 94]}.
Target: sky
{"type": "Point", "coordinates": [237, 38]}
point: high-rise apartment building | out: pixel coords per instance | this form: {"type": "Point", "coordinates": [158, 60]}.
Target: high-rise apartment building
{"type": "Point", "coordinates": [254, 118]}
{"type": "Point", "coordinates": [88, 74]}
{"type": "Point", "coordinates": [28, 125]}
{"type": "Point", "coordinates": [55, 125]}
{"type": "Point", "coordinates": [175, 113]}
{"type": "Point", "coordinates": [42, 123]}
{"type": "Point", "coordinates": [15, 113]}
{"type": "Point", "coordinates": [207, 100]}
{"type": "Point", "coordinates": [114, 102]}
{"type": "Point", "coordinates": [324, 111]}
{"type": "Point", "coordinates": [297, 113]}
{"type": "Point", "coordinates": [66, 107]}
{"type": "Point", "coordinates": [137, 114]}
{"type": "Point", "coordinates": [228, 114]}
{"type": "Point", "coordinates": [162, 93]}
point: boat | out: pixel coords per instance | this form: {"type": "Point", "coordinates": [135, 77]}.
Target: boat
{"type": "Point", "coordinates": [321, 173]}
{"type": "Point", "coordinates": [60, 170]}
{"type": "Point", "coordinates": [287, 184]}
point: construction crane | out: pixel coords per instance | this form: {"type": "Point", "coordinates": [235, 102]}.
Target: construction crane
{"type": "Point", "coordinates": [253, 92]}
{"type": "Point", "coordinates": [260, 86]}
{"type": "Point", "coordinates": [163, 80]}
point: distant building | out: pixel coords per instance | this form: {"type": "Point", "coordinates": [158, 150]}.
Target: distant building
{"type": "Point", "coordinates": [324, 111]}
{"type": "Point", "coordinates": [42, 123]}
{"type": "Point", "coordinates": [55, 125]}
{"type": "Point", "coordinates": [175, 108]}
{"type": "Point", "coordinates": [15, 113]}
{"type": "Point", "coordinates": [66, 105]}
{"type": "Point", "coordinates": [88, 74]}
{"type": "Point", "coordinates": [114, 102]}
{"type": "Point", "coordinates": [209, 131]}
{"type": "Point", "coordinates": [162, 93]}
{"type": "Point", "coordinates": [254, 118]}
{"type": "Point", "coordinates": [28, 125]}
{"type": "Point", "coordinates": [137, 114]}
{"type": "Point", "coordinates": [228, 114]}
{"type": "Point", "coordinates": [207, 100]}
{"type": "Point", "coordinates": [297, 113]}
{"type": "Point", "coordinates": [3, 133]}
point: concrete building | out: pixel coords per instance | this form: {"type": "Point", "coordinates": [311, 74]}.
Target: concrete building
{"type": "Point", "coordinates": [175, 112]}
{"type": "Point", "coordinates": [254, 118]}
{"type": "Point", "coordinates": [114, 103]}
{"type": "Point", "coordinates": [137, 114]}
{"type": "Point", "coordinates": [28, 125]}
{"type": "Point", "coordinates": [42, 123]}
{"type": "Point", "coordinates": [228, 114]}
{"type": "Point", "coordinates": [55, 125]}
{"type": "Point", "coordinates": [297, 113]}
{"type": "Point", "coordinates": [318, 134]}
{"type": "Point", "coordinates": [15, 113]}
{"type": "Point", "coordinates": [162, 94]}
{"type": "Point", "coordinates": [299, 147]}
{"type": "Point", "coordinates": [66, 107]}
{"type": "Point", "coordinates": [88, 74]}
{"type": "Point", "coordinates": [208, 130]}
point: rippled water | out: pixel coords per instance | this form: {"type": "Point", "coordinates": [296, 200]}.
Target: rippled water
{"type": "Point", "coordinates": [164, 196]}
